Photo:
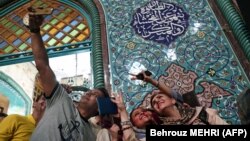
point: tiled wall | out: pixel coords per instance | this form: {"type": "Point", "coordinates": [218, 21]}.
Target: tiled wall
{"type": "Point", "coordinates": [19, 102]}
{"type": "Point", "coordinates": [181, 43]}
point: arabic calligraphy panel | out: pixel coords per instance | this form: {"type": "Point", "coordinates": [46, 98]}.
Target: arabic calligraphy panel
{"type": "Point", "coordinates": [160, 22]}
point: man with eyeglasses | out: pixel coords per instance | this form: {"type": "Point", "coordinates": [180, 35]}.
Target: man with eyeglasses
{"type": "Point", "coordinates": [2, 114]}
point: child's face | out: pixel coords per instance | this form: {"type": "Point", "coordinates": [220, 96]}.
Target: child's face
{"type": "Point", "coordinates": [141, 117]}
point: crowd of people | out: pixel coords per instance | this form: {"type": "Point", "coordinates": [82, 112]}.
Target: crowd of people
{"type": "Point", "coordinates": [56, 117]}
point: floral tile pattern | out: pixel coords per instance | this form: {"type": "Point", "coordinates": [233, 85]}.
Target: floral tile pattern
{"type": "Point", "coordinates": [200, 58]}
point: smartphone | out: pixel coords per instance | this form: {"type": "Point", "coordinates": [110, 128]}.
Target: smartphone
{"type": "Point", "coordinates": [106, 106]}
{"type": "Point", "coordinates": [140, 75]}
{"type": "Point", "coordinates": [40, 10]}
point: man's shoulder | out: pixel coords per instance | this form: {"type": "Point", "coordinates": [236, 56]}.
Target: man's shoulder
{"type": "Point", "coordinates": [15, 116]}
{"type": "Point", "coordinates": [12, 119]}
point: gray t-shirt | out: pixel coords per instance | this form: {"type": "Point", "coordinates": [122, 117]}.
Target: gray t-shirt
{"type": "Point", "coordinates": [62, 121]}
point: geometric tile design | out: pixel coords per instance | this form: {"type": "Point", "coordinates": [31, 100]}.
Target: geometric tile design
{"type": "Point", "coordinates": [211, 91]}
{"type": "Point", "coordinates": [178, 79]}
{"type": "Point", "coordinates": [64, 26]}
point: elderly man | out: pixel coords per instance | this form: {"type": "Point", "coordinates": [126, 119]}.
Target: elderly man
{"type": "Point", "coordinates": [16, 127]}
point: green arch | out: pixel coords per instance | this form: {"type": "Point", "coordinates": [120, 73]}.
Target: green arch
{"type": "Point", "coordinates": [97, 60]}
{"type": "Point", "coordinates": [237, 25]}
{"type": "Point", "coordinates": [18, 89]}
{"type": "Point", "coordinates": [97, 44]}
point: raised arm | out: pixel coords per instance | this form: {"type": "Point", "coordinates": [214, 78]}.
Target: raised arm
{"type": "Point", "coordinates": [128, 132]}
{"type": "Point", "coordinates": [48, 78]}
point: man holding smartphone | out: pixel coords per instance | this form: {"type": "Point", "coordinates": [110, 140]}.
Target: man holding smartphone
{"type": "Point", "coordinates": [61, 120]}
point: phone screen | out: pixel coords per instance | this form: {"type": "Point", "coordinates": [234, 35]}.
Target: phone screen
{"type": "Point", "coordinates": [106, 106]}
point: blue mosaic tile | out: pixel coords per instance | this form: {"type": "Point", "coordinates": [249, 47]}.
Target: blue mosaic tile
{"type": "Point", "coordinates": [142, 36]}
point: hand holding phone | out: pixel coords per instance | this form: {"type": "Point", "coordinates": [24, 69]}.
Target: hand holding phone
{"type": "Point", "coordinates": [40, 10]}
{"type": "Point", "coordinates": [33, 19]}
{"type": "Point", "coordinates": [140, 76]}
{"type": "Point", "coordinates": [106, 106]}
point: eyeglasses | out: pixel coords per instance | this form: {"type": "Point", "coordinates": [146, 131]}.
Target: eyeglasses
{"type": "Point", "coordinates": [92, 93]}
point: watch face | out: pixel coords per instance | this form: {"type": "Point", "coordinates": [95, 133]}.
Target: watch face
{"type": "Point", "coordinates": [76, 95]}
{"type": "Point", "coordinates": [26, 20]}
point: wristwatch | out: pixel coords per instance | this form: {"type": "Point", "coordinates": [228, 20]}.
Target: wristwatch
{"type": "Point", "coordinates": [126, 123]}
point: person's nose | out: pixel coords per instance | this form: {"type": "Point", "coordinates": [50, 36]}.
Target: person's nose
{"type": "Point", "coordinates": [156, 100]}
{"type": "Point", "coordinates": [86, 93]}
{"type": "Point", "coordinates": [142, 113]}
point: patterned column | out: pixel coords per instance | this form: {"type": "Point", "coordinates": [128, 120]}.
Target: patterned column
{"type": "Point", "coordinates": [237, 24]}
